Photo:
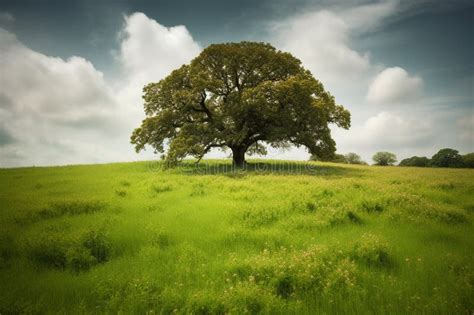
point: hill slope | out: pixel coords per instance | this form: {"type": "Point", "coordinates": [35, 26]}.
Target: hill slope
{"type": "Point", "coordinates": [330, 238]}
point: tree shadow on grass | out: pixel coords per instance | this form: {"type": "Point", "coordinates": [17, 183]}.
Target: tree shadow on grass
{"type": "Point", "coordinates": [259, 167]}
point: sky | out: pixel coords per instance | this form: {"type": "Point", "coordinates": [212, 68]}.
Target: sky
{"type": "Point", "coordinates": [72, 72]}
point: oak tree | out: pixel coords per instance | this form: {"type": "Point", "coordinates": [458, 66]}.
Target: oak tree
{"type": "Point", "coordinates": [238, 96]}
{"type": "Point", "coordinates": [384, 158]}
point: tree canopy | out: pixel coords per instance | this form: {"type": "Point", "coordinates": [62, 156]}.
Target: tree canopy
{"type": "Point", "coordinates": [239, 96]}
{"type": "Point", "coordinates": [420, 161]}
{"type": "Point", "coordinates": [349, 158]}
{"type": "Point", "coordinates": [384, 158]}
{"type": "Point", "coordinates": [353, 158]}
{"type": "Point", "coordinates": [447, 158]}
{"type": "Point", "coordinates": [468, 160]}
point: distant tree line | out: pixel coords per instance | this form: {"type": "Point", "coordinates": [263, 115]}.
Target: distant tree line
{"type": "Point", "coordinates": [349, 158]}
{"type": "Point", "coordinates": [443, 158]}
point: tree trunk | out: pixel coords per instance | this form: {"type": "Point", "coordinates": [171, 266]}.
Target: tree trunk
{"type": "Point", "coordinates": [238, 157]}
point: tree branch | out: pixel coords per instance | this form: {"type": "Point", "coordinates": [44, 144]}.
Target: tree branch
{"type": "Point", "coordinates": [203, 105]}
{"type": "Point", "coordinates": [207, 148]}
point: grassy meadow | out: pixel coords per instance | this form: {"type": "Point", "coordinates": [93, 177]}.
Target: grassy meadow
{"type": "Point", "coordinates": [299, 238]}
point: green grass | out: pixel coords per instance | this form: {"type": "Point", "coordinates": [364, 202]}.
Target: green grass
{"type": "Point", "coordinates": [133, 238]}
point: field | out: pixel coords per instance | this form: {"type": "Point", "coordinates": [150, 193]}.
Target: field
{"type": "Point", "coordinates": [278, 238]}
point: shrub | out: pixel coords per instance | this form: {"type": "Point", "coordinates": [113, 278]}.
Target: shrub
{"type": "Point", "coordinates": [311, 206]}
{"type": "Point", "coordinates": [354, 217]}
{"type": "Point", "coordinates": [293, 273]}
{"type": "Point", "coordinates": [372, 250]}
{"type": "Point", "coordinates": [70, 208]}
{"type": "Point", "coordinates": [284, 286]}
{"type": "Point", "coordinates": [55, 250]}
{"type": "Point", "coordinates": [121, 193]}
{"type": "Point", "coordinates": [204, 303]}
{"type": "Point", "coordinates": [452, 216]}
{"type": "Point", "coordinates": [98, 245]}
{"type": "Point", "coordinates": [246, 297]}
{"type": "Point", "coordinates": [255, 217]}
{"type": "Point", "coordinates": [161, 188]}
{"type": "Point", "coordinates": [48, 250]}
{"type": "Point", "coordinates": [372, 206]}
{"type": "Point", "coordinates": [161, 240]}
{"type": "Point", "coordinates": [7, 249]}
{"type": "Point", "coordinates": [80, 258]}
{"type": "Point", "coordinates": [125, 183]}
{"type": "Point", "coordinates": [198, 190]}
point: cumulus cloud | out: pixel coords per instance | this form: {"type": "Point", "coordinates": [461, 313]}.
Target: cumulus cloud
{"type": "Point", "coordinates": [149, 51]}
{"type": "Point", "coordinates": [44, 97]}
{"type": "Point", "coordinates": [397, 132]}
{"type": "Point", "coordinates": [48, 87]}
{"type": "Point", "coordinates": [394, 86]}
{"type": "Point", "coordinates": [321, 38]}
{"type": "Point", "coordinates": [57, 111]}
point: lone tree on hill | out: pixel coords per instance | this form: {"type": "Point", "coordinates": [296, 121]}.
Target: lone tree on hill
{"type": "Point", "coordinates": [238, 96]}
{"type": "Point", "coordinates": [384, 158]}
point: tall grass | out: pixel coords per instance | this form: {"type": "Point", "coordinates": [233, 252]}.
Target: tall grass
{"type": "Point", "coordinates": [276, 238]}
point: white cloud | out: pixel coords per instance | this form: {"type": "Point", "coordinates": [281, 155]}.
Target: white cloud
{"type": "Point", "coordinates": [395, 130]}
{"type": "Point", "coordinates": [149, 51]}
{"type": "Point", "coordinates": [56, 111]}
{"type": "Point", "coordinates": [321, 39]}
{"type": "Point", "coordinates": [389, 131]}
{"type": "Point", "coordinates": [49, 87]}
{"type": "Point", "coordinates": [394, 86]}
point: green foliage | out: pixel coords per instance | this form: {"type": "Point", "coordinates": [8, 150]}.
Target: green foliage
{"type": "Point", "coordinates": [353, 158]}
{"type": "Point", "coordinates": [372, 250]}
{"type": "Point", "coordinates": [161, 188]}
{"type": "Point", "coordinates": [468, 160]}
{"type": "Point", "coordinates": [335, 239]}
{"type": "Point", "coordinates": [416, 161]}
{"type": "Point", "coordinates": [7, 250]}
{"type": "Point", "coordinates": [98, 245]}
{"type": "Point", "coordinates": [384, 158]}
{"type": "Point", "coordinates": [371, 206]}
{"type": "Point", "coordinates": [336, 158]}
{"type": "Point", "coordinates": [73, 208]}
{"type": "Point", "coordinates": [447, 158]}
{"type": "Point", "coordinates": [238, 95]}
{"type": "Point", "coordinates": [48, 250]}
{"type": "Point", "coordinates": [78, 252]}
{"type": "Point", "coordinates": [349, 158]}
